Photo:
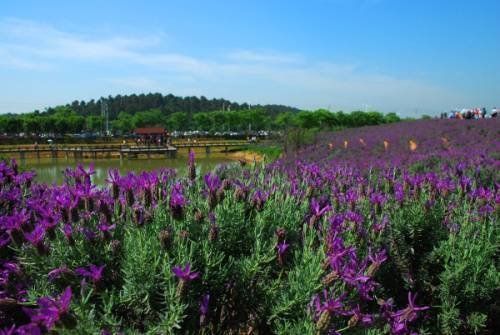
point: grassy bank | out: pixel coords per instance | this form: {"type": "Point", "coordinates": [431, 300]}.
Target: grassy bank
{"type": "Point", "coordinates": [261, 152]}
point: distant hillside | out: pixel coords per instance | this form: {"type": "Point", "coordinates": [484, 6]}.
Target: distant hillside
{"type": "Point", "coordinates": [128, 112]}
{"type": "Point", "coordinates": [167, 104]}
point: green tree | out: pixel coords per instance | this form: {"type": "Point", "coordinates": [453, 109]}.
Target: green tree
{"type": "Point", "coordinates": [123, 124]}
{"type": "Point", "coordinates": [284, 120]}
{"type": "Point", "coordinates": [202, 121]}
{"type": "Point", "coordinates": [94, 123]}
{"type": "Point", "coordinates": [391, 117]}
{"type": "Point", "coordinates": [177, 121]}
{"type": "Point", "coordinates": [32, 124]}
{"type": "Point", "coordinates": [307, 120]}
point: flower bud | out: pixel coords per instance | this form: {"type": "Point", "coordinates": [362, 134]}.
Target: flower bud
{"type": "Point", "coordinates": [213, 233]}
{"type": "Point", "coordinates": [198, 216]}
{"type": "Point", "coordinates": [220, 194]}
{"type": "Point", "coordinates": [116, 247]}
{"type": "Point", "coordinates": [115, 190]}
{"type": "Point", "coordinates": [240, 194]}
{"type": "Point", "coordinates": [323, 322]}
{"type": "Point", "coordinates": [280, 234]}
{"type": "Point", "coordinates": [166, 238]}
{"type": "Point", "coordinates": [184, 234]}
{"type": "Point", "coordinates": [130, 197]}
{"type": "Point", "coordinates": [312, 220]}
{"type": "Point", "coordinates": [212, 200]}
{"type": "Point", "coordinates": [181, 288]}
{"type": "Point", "coordinates": [353, 321]}
{"type": "Point", "coordinates": [330, 278]}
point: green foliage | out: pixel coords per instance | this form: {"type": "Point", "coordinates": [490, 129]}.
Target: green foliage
{"type": "Point", "coordinates": [455, 271]}
{"type": "Point", "coordinates": [191, 113]}
{"type": "Point", "coordinates": [469, 279]}
{"type": "Point", "coordinates": [269, 152]}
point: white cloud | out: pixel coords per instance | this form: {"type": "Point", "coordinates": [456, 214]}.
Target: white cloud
{"type": "Point", "coordinates": [140, 83]}
{"type": "Point", "coordinates": [14, 61]}
{"type": "Point", "coordinates": [263, 57]}
{"type": "Point", "coordinates": [246, 75]}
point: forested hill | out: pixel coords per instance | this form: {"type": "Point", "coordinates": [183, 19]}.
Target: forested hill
{"type": "Point", "coordinates": [167, 104]}
{"type": "Point", "coordinates": [125, 113]}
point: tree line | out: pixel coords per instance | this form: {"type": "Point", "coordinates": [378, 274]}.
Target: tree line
{"type": "Point", "coordinates": [225, 116]}
{"type": "Point", "coordinates": [166, 104]}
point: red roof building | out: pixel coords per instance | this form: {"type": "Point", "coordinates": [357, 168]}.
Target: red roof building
{"type": "Point", "coordinates": [151, 135]}
{"type": "Point", "coordinates": [150, 131]}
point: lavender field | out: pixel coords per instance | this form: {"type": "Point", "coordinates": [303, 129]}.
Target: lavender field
{"type": "Point", "coordinates": [388, 229]}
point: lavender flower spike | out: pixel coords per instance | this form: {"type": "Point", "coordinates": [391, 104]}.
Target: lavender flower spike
{"type": "Point", "coordinates": [204, 303]}
{"type": "Point", "coordinates": [93, 272]}
{"type": "Point", "coordinates": [185, 276]}
{"type": "Point", "coordinates": [282, 247]}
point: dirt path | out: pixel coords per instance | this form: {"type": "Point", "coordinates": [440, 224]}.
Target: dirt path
{"type": "Point", "coordinates": [246, 156]}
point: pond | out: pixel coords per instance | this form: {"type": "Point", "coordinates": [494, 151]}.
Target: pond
{"type": "Point", "coordinates": [51, 171]}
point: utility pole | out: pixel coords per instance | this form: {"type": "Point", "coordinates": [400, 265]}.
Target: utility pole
{"type": "Point", "coordinates": [105, 115]}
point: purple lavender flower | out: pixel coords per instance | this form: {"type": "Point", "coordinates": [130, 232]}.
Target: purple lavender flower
{"type": "Point", "coordinates": [177, 201]}
{"type": "Point", "coordinates": [59, 273]}
{"type": "Point", "coordinates": [376, 260]}
{"type": "Point", "coordinates": [185, 274]}
{"type": "Point", "coordinates": [212, 185]}
{"type": "Point", "coordinates": [128, 184]}
{"type": "Point", "coordinates": [282, 248]}
{"type": "Point", "coordinates": [9, 330]}
{"type": "Point", "coordinates": [4, 239]}
{"type": "Point", "coordinates": [318, 209]}
{"type": "Point", "coordinates": [114, 179]}
{"type": "Point", "coordinates": [332, 305]}
{"type": "Point", "coordinates": [323, 310]}
{"type": "Point", "coordinates": [92, 272]}
{"type": "Point", "coordinates": [191, 166]}
{"type": "Point", "coordinates": [213, 233]}
{"type": "Point", "coordinates": [36, 238]}
{"type": "Point", "coordinates": [29, 329]}
{"type": "Point", "coordinates": [204, 304]}
{"type": "Point", "coordinates": [482, 193]}
{"type": "Point", "coordinates": [358, 317]}
{"type": "Point", "coordinates": [50, 311]}
{"type": "Point", "coordinates": [399, 193]}
{"type": "Point", "coordinates": [212, 182]}
{"type": "Point", "coordinates": [465, 184]}
{"type": "Point", "coordinates": [259, 199]}
{"type": "Point", "coordinates": [378, 199]}
{"type": "Point", "coordinates": [106, 228]}
{"type": "Point", "coordinates": [401, 318]}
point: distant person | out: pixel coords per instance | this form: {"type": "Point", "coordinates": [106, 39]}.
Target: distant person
{"type": "Point", "coordinates": [494, 112]}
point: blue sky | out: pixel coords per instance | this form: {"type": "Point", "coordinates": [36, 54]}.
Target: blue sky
{"type": "Point", "coordinates": [404, 56]}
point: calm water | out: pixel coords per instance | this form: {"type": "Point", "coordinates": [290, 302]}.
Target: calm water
{"type": "Point", "coordinates": [50, 171]}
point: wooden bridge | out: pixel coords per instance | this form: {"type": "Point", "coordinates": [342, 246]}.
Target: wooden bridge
{"type": "Point", "coordinates": [109, 150]}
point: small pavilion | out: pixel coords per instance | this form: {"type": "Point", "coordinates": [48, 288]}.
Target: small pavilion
{"type": "Point", "coordinates": [151, 135]}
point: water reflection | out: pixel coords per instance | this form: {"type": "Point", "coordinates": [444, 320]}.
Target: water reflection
{"type": "Point", "coordinates": [51, 171]}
